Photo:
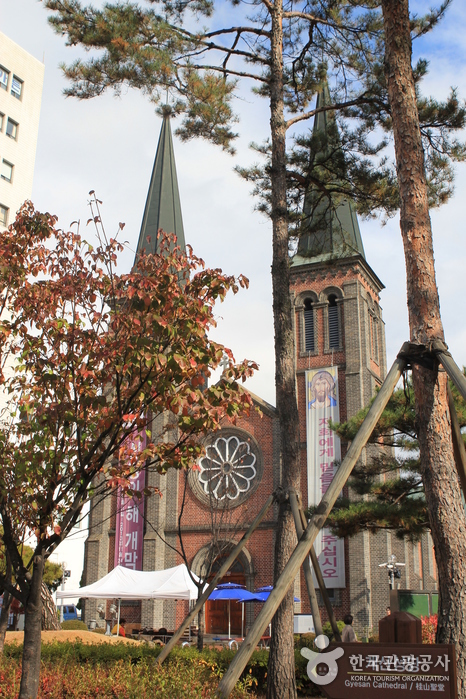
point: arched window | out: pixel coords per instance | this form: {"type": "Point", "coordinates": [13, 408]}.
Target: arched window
{"type": "Point", "coordinates": [309, 344]}
{"type": "Point", "coordinates": [333, 324]}
{"type": "Point", "coordinates": [374, 338]}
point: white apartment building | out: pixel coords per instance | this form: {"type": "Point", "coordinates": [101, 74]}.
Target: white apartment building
{"type": "Point", "coordinates": [21, 81]}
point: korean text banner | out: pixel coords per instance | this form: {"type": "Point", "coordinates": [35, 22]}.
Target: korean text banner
{"type": "Point", "coordinates": [323, 450]}
{"type": "Point", "coordinates": [129, 529]}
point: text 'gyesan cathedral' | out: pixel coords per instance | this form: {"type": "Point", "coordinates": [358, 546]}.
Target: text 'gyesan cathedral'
{"type": "Point", "coordinates": [340, 361]}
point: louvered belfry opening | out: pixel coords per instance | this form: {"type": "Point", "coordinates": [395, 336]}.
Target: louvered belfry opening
{"type": "Point", "coordinates": [333, 326]}
{"type": "Point", "coordinates": [309, 344]}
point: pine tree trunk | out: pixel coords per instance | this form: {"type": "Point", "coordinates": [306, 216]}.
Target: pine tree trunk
{"type": "Point", "coordinates": [32, 628]}
{"type": "Point", "coordinates": [281, 669]}
{"type": "Point", "coordinates": [436, 452]}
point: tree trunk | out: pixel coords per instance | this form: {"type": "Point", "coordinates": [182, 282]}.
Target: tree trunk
{"type": "Point", "coordinates": [201, 628]}
{"type": "Point", "coordinates": [5, 613]}
{"type": "Point", "coordinates": [437, 461]}
{"type": "Point", "coordinates": [7, 600]}
{"type": "Point", "coordinates": [32, 628]}
{"type": "Point", "coordinates": [49, 615]}
{"type": "Point", "coordinates": [281, 669]}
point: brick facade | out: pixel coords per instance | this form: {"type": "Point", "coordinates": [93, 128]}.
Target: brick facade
{"type": "Point", "coordinates": [360, 358]}
{"type": "Point", "coordinates": [361, 361]}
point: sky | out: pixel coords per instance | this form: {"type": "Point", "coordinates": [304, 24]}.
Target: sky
{"type": "Point", "coordinates": [108, 145]}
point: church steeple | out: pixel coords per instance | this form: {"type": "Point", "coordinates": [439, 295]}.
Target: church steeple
{"type": "Point", "coordinates": [332, 232]}
{"type": "Point", "coordinates": [163, 207]}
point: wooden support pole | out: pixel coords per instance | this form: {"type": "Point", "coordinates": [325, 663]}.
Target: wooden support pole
{"type": "Point", "coordinates": [322, 588]}
{"type": "Point", "coordinates": [458, 444]}
{"type": "Point", "coordinates": [452, 369]}
{"type": "Point", "coordinates": [311, 591]}
{"type": "Point", "coordinates": [315, 525]}
{"type": "Point", "coordinates": [219, 575]}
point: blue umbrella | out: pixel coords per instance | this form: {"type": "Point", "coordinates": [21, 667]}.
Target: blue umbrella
{"type": "Point", "coordinates": [229, 591]}
{"type": "Point", "coordinates": [262, 594]}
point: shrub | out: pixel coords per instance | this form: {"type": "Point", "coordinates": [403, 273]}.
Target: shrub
{"type": "Point", "coordinates": [121, 679]}
{"type": "Point", "coordinates": [127, 671]}
{"type": "Point", "coordinates": [304, 685]}
{"type": "Point", "coordinates": [304, 640]}
{"type": "Point", "coordinates": [429, 628]}
{"type": "Point", "coordinates": [327, 628]}
{"type": "Point", "coordinates": [73, 625]}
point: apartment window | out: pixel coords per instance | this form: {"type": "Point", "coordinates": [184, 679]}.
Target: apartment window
{"type": "Point", "coordinates": [309, 344]}
{"type": "Point", "coordinates": [4, 75]}
{"type": "Point", "coordinates": [11, 128]}
{"type": "Point", "coordinates": [6, 173]}
{"type": "Point", "coordinates": [333, 323]}
{"type": "Point", "coordinates": [16, 87]}
{"type": "Point", "coordinates": [2, 116]}
{"type": "Point", "coordinates": [3, 215]}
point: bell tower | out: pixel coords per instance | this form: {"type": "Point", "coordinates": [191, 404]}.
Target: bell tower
{"type": "Point", "coordinates": [340, 340]}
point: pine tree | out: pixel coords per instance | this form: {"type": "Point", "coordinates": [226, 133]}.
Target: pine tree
{"type": "Point", "coordinates": [387, 492]}
{"type": "Point", "coordinates": [287, 51]}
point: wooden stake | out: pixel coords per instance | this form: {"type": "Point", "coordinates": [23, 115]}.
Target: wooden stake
{"type": "Point", "coordinates": [458, 444]}
{"type": "Point", "coordinates": [452, 369]}
{"type": "Point", "coordinates": [317, 522]}
{"type": "Point", "coordinates": [322, 588]}
{"type": "Point", "coordinates": [219, 575]}
{"type": "Point", "coordinates": [311, 591]}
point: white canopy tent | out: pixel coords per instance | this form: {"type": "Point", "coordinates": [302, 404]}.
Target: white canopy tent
{"type": "Point", "coordinates": [124, 583]}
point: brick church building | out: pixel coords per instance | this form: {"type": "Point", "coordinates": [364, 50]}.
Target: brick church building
{"type": "Point", "coordinates": [340, 361]}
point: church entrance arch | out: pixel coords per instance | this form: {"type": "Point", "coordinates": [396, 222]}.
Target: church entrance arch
{"type": "Point", "coordinates": [216, 611]}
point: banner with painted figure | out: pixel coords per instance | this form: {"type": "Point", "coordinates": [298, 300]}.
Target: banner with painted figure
{"type": "Point", "coordinates": [129, 528]}
{"type": "Point", "coordinates": [323, 450]}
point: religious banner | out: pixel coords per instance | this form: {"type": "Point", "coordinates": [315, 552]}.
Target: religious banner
{"type": "Point", "coordinates": [323, 458]}
{"type": "Point", "coordinates": [129, 529]}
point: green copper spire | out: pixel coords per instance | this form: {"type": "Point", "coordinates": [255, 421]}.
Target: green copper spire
{"type": "Point", "coordinates": [332, 232]}
{"type": "Point", "coordinates": [163, 208]}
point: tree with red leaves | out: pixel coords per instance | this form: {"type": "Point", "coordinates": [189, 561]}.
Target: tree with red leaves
{"type": "Point", "coordinates": [88, 356]}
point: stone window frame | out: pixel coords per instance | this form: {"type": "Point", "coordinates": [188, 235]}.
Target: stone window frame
{"type": "Point", "coordinates": [193, 475]}
{"type": "Point", "coordinates": [374, 338]}
{"type": "Point", "coordinates": [299, 307]}
{"type": "Point", "coordinates": [374, 331]}
{"type": "Point", "coordinates": [324, 300]}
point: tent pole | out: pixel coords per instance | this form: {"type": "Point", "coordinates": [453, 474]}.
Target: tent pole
{"type": "Point", "coordinates": [296, 559]}
{"type": "Point", "coordinates": [229, 619]}
{"type": "Point", "coordinates": [118, 625]}
{"type": "Point", "coordinates": [219, 575]}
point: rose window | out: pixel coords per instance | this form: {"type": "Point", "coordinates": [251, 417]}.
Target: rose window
{"type": "Point", "coordinates": [228, 468]}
